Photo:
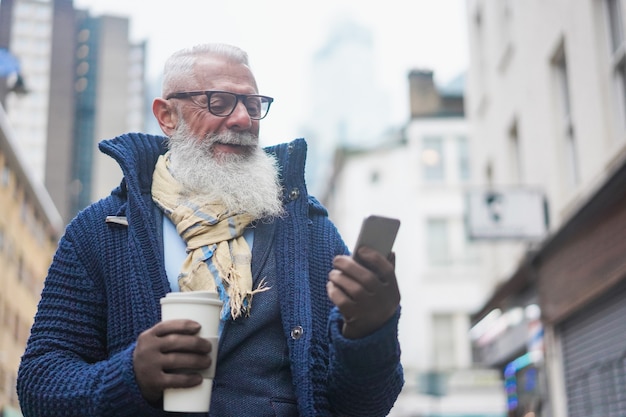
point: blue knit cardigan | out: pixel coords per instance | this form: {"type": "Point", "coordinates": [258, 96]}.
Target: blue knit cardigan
{"type": "Point", "coordinates": [104, 285]}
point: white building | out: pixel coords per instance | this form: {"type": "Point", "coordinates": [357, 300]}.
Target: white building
{"type": "Point", "coordinates": [420, 177]}
{"type": "Point", "coordinates": [546, 103]}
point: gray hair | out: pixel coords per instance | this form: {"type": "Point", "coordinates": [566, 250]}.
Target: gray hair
{"type": "Point", "coordinates": [179, 67]}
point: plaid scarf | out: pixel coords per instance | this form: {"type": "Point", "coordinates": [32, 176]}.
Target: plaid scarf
{"type": "Point", "coordinates": [218, 256]}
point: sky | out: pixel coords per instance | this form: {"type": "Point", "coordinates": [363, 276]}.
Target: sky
{"type": "Point", "coordinates": [282, 36]}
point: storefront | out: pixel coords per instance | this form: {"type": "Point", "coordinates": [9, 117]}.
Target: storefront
{"type": "Point", "coordinates": [579, 278]}
{"type": "Point", "coordinates": [582, 293]}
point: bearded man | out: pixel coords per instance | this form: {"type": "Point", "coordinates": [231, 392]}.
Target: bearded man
{"type": "Point", "coordinates": [320, 338]}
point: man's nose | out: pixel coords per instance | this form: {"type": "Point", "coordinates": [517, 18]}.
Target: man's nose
{"type": "Point", "coordinates": [239, 118]}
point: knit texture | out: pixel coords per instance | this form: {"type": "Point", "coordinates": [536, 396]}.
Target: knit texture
{"type": "Point", "coordinates": [106, 279]}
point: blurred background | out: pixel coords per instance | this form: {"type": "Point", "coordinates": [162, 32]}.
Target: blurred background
{"type": "Point", "coordinates": [495, 130]}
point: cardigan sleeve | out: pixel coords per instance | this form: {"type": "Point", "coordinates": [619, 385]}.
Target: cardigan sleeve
{"type": "Point", "coordinates": [363, 376]}
{"type": "Point", "coordinates": [66, 368]}
{"type": "Point", "coordinates": [366, 375]}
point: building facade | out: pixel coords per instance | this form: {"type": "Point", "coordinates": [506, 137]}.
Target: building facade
{"type": "Point", "coordinates": [110, 97]}
{"type": "Point", "coordinates": [420, 176]}
{"type": "Point", "coordinates": [546, 97]}
{"type": "Point", "coordinates": [84, 83]}
{"type": "Point", "coordinates": [30, 227]}
{"type": "Point", "coordinates": [28, 36]}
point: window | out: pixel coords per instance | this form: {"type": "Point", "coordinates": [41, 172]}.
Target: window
{"type": "Point", "coordinates": [566, 121]}
{"type": "Point", "coordinates": [83, 35]}
{"type": "Point", "coordinates": [21, 268]}
{"type": "Point", "coordinates": [6, 175]}
{"type": "Point", "coordinates": [515, 158]}
{"type": "Point", "coordinates": [438, 244]}
{"type": "Point", "coordinates": [616, 27]}
{"type": "Point", "coordinates": [448, 245]}
{"type": "Point", "coordinates": [444, 345]}
{"type": "Point", "coordinates": [432, 159]}
{"type": "Point", "coordinates": [618, 55]}
{"type": "Point", "coordinates": [620, 81]}
{"type": "Point", "coordinates": [479, 37]}
{"type": "Point", "coordinates": [505, 23]}
{"type": "Point", "coordinates": [24, 209]}
{"type": "Point", "coordinates": [464, 158]}
{"type": "Point", "coordinates": [374, 177]}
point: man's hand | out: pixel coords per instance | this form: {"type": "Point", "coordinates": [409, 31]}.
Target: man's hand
{"type": "Point", "coordinates": [366, 292]}
{"type": "Point", "coordinates": [166, 348]}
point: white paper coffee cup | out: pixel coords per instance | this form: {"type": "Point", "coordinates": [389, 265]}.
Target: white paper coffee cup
{"type": "Point", "coordinates": [205, 308]}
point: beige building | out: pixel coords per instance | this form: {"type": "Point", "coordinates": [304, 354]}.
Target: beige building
{"type": "Point", "coordinates": [30, 227]}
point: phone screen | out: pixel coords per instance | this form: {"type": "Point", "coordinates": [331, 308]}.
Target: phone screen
{"type": "Point", "coordinates": [378, 233]}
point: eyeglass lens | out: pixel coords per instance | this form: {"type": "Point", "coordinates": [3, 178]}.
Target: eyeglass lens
{"type": "Point", "coordinates": [223, 104]}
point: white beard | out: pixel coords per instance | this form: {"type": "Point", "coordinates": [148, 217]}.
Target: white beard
{"type": "Point", "coordinates": [244, 183]}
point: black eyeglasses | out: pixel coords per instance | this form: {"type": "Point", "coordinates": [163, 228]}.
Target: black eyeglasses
{"type": "Point", "coordinates": [223, 103]}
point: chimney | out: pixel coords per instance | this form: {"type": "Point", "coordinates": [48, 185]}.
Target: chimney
{"type": "Point", "coordinates": [423, 95]}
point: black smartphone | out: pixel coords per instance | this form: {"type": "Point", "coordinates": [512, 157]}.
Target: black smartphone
{"type": "Point", "coordinates": [378, 233]}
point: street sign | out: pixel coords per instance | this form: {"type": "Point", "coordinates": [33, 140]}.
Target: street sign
{"type": "Point", "coordinates": [514, 213]}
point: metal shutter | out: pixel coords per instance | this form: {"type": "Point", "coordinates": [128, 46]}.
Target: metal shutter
{"type": "Point", "coordinates": [594, 357]}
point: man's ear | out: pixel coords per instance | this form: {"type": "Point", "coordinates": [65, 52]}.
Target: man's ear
{"type": "Point", "coordinates": [165, 114]}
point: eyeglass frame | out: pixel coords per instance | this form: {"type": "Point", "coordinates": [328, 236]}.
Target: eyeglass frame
{"type": "Point", "coordinates": [238, 98]}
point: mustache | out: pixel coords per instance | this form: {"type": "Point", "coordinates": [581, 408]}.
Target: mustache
{"type": "Point", "coordinates": [232, 138]}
